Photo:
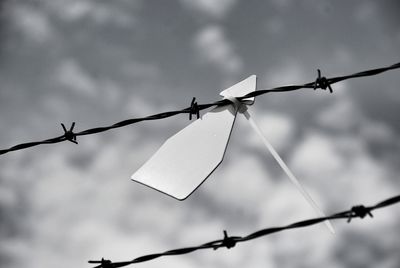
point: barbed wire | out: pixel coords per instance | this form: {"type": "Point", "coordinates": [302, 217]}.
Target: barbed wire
{"type": "Point", "coordinates": [359, 211]}
{"type": "Point", "coordinates": [320, 83]}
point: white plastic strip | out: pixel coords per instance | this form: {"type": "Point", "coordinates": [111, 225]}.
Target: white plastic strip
{"type": "Point", "coordinates": [286, 169]}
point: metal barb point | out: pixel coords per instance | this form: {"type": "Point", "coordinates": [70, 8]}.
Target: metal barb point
{"type": "Point", "coordinates": [322, 82]}
{"type": "Point", "coordinates": [194, 109]}
{"type": "Point", "coordinates": [69, 134]}
{"type": "Point", "coordinates": [106, 263]}
{"type": "Point", "coordinates": [360, 211]}
{"type": "Point", "coordinates": [103, 263]}
{"type": "Point", "coordinates": [228, 241]}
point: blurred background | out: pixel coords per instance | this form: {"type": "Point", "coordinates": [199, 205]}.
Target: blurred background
{"type": "Point", "coordinates": [98, 62]}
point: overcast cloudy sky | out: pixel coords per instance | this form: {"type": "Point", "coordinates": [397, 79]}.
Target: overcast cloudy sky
{"type": "Point", "coordinates": [99, 62]}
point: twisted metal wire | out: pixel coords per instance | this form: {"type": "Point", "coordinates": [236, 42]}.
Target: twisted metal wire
{"type": "Point", "coordinates": [230, 241]}
{"type": "Point", "coordinates": [320, 82]}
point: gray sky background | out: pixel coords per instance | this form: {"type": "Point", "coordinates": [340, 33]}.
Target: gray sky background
{"type": "Point", "coordinates": [99, 62]}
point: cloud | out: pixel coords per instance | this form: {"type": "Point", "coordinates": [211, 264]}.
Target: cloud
{"type": "Point", "coordinates": [215, 9]}
{"type": "Point", "coordinates": [282, 4]}
{"type": "Point", "coordinates": [74, 77]}
{"type": "Point", "coordinates": [316, 155]}
{"type": "Point", "coordinates": [288, 71]}
{"type": "Point", "coordinates": [365, 12]}
{"type": "Point", "coordinates": [32, 23]}
{"type": "Point", "coordinates": [343, 165]}
{"type": "Point", "coordinates": [341, 115]}
{"type": "Point", "coordinates": [94, 11]}
{"type": "Point", "coordinates": [213, 47]}
{"type": "Point", "coordinates": [274, 25]}
{"type": "Point", "coordinates": [278, 129]}
{"type": "Point", "coordinates": [232, 183]}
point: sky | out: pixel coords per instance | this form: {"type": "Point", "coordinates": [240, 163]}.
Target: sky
{"type": "Point", "coordinates": [99, 62]}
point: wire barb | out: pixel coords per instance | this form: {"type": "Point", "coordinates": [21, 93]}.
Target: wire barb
{"type": "Point", "coordinates": [228, 241]}
{"type": "Point", "coordinates": [194, 109]}
{"type": "Point", "coordinates": [231, 241]}
{"type": "Point", "coordinates": [360, 212]}
{"type": "Point", "coordinates": [69, 135]}
{"type": "Point", "coordinates": [103, 263]}
{"type": "Point", "coordinates": [322, 82]}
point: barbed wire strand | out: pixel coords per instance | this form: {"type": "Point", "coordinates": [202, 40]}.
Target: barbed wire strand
{"type": "Point", "coordinates": [230, 241]}
{"type": "Point", "coordinates": [319, 83]}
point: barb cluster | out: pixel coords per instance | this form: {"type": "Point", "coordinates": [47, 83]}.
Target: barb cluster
{"type": "Point", "coordinates": [231, 241]}
{"type": "Point", "coordinates": [69, 135]}
{"type": "Point", "coordinates": [361, 212]}
{"type": "Point", "coordinates": [194, 109]}
{"type": "Point", "coordinates": [322, 82]}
